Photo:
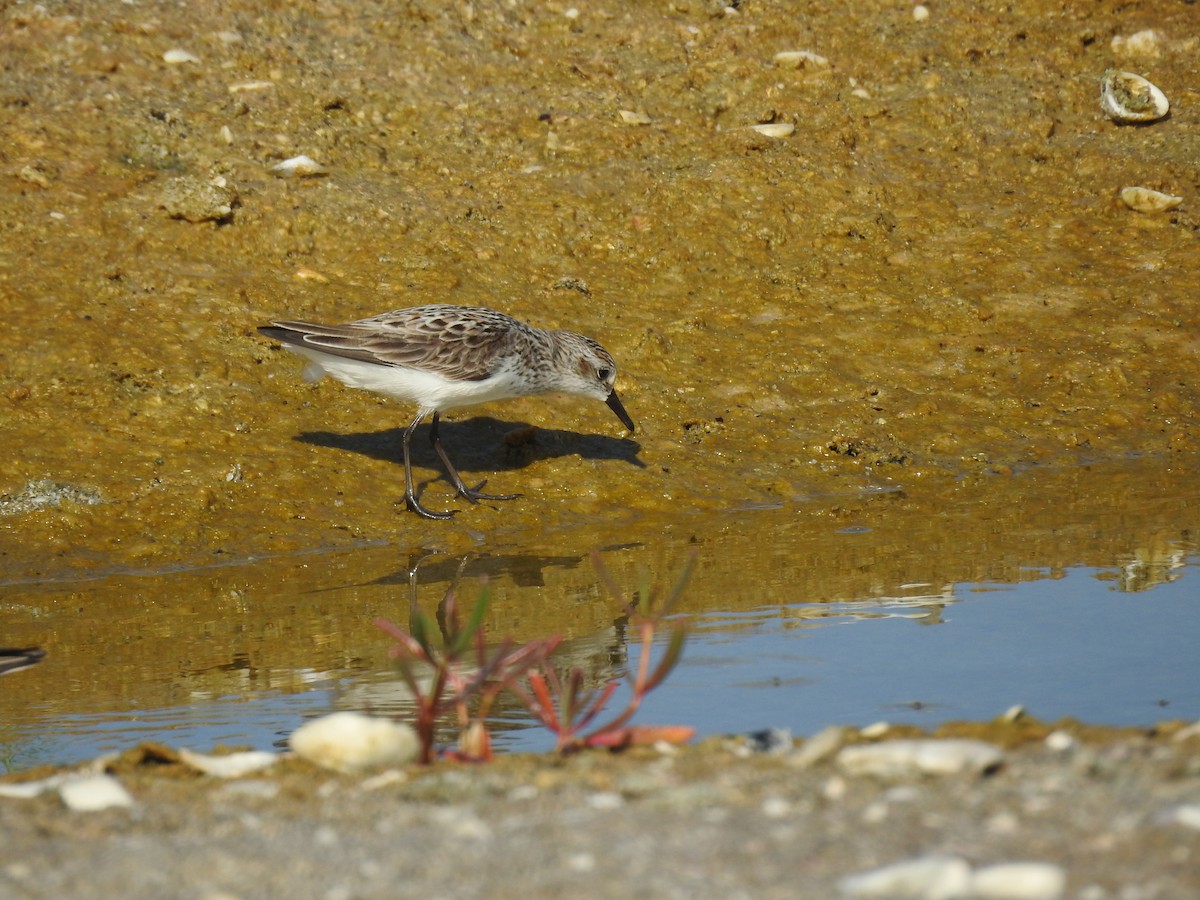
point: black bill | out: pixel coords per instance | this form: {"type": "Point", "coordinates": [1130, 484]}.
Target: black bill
{"type": "Point", "coordinates": [614, 403]}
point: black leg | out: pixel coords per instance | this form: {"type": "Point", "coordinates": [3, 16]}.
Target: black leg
{"type": "Point", "coordinates": [474, 495]}
{"type": "Point", "coordinates": [410, 498]}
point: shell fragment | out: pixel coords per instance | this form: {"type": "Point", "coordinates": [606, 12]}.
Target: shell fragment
{"type": "Point", "coordinates": [1128, 98]}
{"type": "Point", "coordinates": [1148, 200]}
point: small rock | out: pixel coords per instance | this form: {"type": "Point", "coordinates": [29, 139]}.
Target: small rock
{"type": "Point", "coordinates": [800, 59]}
{"type": "Point", "coordinates": [1060, 741]}
{"type": "Point", "coordinates": [1018, 881]}
{"type": "Point", "coordinates": [351, 742]}
{"type": "Point", "coordinates": [1140, 43]}
{"type": "Point", "coordinates": [298, 167]}
{"type": "Point", "coordinates": [774, 129]}
{"type": "Point", "coordinates": [1187, 733]}
{"type": "Point", "coordinates": [892, 759]}
{"type": "Point", "coordinates": [924, 878]}
{"type": "Point", "coordinates": [199, 200]}
{"type": "Point", "coordinates": [1186, 814]}
{"type": "Point", "coordinates": [1148, 200]}
{"type": "Point", "coordinates": [820, 747]}
{"type": "Point", "coordinates": [775, 741]}
{"type": "Point", "coordinates": [232, 765]}
{"type": "Point", "coordinates": [630, 117]}
{"type": "Point", "coordinates": [177, 57]}
{"type": "Point", "coordinates": [94, 792]}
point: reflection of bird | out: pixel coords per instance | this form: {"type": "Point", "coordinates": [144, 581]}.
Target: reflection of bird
{"type": "Point", "coordinates": [443, 357]}
{"type": "Point", "coordinates": [13, 658]}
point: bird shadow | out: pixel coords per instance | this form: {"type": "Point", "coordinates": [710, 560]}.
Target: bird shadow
{"type": "Point", "coordinates": [480, 445]}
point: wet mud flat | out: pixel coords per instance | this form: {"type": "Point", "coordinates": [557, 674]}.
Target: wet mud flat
{"type": "Point", "coordinates": [932, 275]}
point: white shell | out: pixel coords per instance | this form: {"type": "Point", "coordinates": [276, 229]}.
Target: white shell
{"type": "Point", "coordinates": [232, 765]}
{"type": "Point", "coordinates": [176, 57]}
{"type": "Point", "coordinates": [352, 742]}
{"type": "Point", "coordinates": [298, 167]}
{"type": "Point", "coordinates": [1148, 200]}
{"type": "Point", "coordinates": [94, 792]}
{"type": "Point", "coordinates": [800, 59]}
{"type": "Point", "coordinates": [1128, 98]}
{"type": "Point", "coordinates": [775, 129]}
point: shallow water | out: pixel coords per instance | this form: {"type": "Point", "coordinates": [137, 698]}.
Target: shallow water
{"type": "Point", "coordinates": [1071, 592]}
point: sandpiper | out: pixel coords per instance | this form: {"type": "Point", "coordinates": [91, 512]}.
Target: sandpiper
{"type": "Point", "coordinates": [443, 357]}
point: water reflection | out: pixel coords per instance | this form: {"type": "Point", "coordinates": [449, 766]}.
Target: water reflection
{"type": "Point", "coordinates": [1002, 592]}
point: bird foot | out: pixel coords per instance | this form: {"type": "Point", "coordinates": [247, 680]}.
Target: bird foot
{"type": "Point", "coordinates": [474, 495]}
{"type": "Point", "coordinates": [412, 503]}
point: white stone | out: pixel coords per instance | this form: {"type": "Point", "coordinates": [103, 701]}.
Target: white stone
{"type": "Point", "coordinates": [93, 793]}
{"type": "Point", "coordinates": [632, 117]}
{"type": "Point", "coordinates": [1186, 734]}
{"type": "Point", "coordinates": [176, 57]}
{"type": "Point", "coordinates": [774, 129]}
{"type": "Point", "coordinates": [298, 167]}
{"type": "Point", "coordinates": [231, 765]}
{"type": "Point", "coordinates": [818, 748]}
{"type": "Point", "coordinates": [891, 759]}
{"type": "Point", "coordinates": [1148, 200]}
{"type": "Point", "coordinates": [1018, 881]}
{"type": "Point", "coordinates": [800, 59]}
{"type": "Point", "coordinates": [1140, 43]}
{"type": "Point", "coordinates": [1187, 814]}
{"type": "Point", "coordinates": [924, 878]}
{"type": "Point", "coordinates": [1060, 741]}
{"type": "Point", "coordinates": [25, 790]}
{"type": "Point", "coordinates": [352, 742]}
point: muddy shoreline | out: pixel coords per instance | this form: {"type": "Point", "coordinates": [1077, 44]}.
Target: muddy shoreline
{"type": "Point", "coordinates": [925, 312]}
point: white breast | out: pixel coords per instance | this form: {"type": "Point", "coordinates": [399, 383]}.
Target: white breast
{"type": "Point", "coordinates": [428, 389]}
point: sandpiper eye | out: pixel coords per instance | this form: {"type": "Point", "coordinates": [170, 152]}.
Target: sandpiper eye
{"type": "Point", "coordinates": [603, 374]}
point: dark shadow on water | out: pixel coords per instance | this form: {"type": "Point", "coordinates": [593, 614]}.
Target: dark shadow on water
{"type": "Point", "coordinates": [480, 445]}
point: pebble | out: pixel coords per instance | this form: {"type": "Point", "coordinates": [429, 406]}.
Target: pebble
{"type": "Point", "coordinates": [800, 59]}
{"type": "Point", "coordinates": [231, 765]}
{"type": "Point", "coordinates": [892, 759]}
{"type": "Point", "coordinates": [1060, 741]}
{"type": "Point", "coordinates": [177, 57]}
{"type": "Point", "coordinates": [1140, 43]}
{"type": "Point", "coordinates": [630, 117]}
{"type": "Point", "coordinates": [1018, 881]}
{"type": "Point", "coordinates": [351, 742]}
{"type": "Point", "coordinates": [1187, 733]}
{"type": "Point", "coordinates": [298, 167]}
{"type": "Point", "coordinates": [94, 792]}
{"type": "Point", "coordinates": [774, 129]}
{"type": "Point", "coordinates": [1148, 200]}
{"type": "Point", "coordinates": [818, 748]}
{"type": "Point", "coordinates": [605, 800]}
{"type": "Point", "coordinates": [25, 790]}
{"type": "Point", "coordinates": [198, 199]}
{"type": "Point", "coordinates": [924, 878]}
{"type": "Point", "coordinates": [772, 741]}
{"type": "Point", "coordinates": [1187, 814]}
{"type": "Point", "coordinates": [949, 878]}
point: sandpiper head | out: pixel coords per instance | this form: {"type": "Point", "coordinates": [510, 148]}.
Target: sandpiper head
{"type": "Point", "coordinates": [590, 370]}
